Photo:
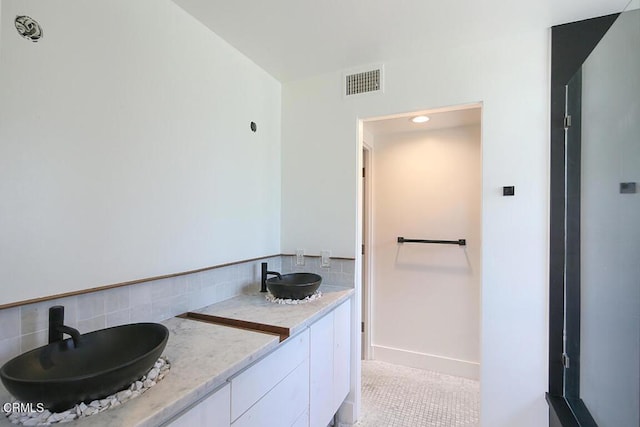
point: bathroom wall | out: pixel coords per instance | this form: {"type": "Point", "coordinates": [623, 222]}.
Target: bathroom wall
{"type": "Point", "coordinates": [427, 185]}
{"type": "Point", "coordinates": [321, 172]}
{"type": "Point", "coordinates": [125, 148]}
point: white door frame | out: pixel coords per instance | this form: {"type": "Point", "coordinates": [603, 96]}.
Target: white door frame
{"type": "Point", "coordinates": [367, 234]}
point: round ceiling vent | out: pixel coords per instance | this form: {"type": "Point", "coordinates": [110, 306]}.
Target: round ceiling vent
{"type": "Point", "coordinates": [28, 28]}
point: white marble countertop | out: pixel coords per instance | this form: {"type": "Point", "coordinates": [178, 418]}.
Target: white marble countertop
{"type": "Point", "coordinates": [204, 355]}
{"type": "Point", "coordinates": [254, 307]}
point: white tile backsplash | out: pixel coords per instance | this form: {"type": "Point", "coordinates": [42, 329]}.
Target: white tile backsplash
{"type": "Point", "coordinates": [140, 293]}
{"type": "Point", "coordinates": [207, 293]}
{"type": "Point", "coordinates": [9, 323]}
{"type": "Point", "coordinates": [9, 348]}
{"type": "Point", "coordinates": [117, 300]}
{"type": "Point", "coordinates": [162, 289]}
{"type": "Point", "coordinates": [140, 313]}
{"type": "Point", "coordinates": [161, 309]}
{"type": "Point", "coordinates": [340, 273]}
{"type": "Point", "coordinates": [33, 340]}
{"type": "Point", "coordinates": [117, 318]}
{"type": "Point", "coordinates": [34, 317]}
{"type": "Point", "coordinates": [26, 327]}
{"type": "Point", "coordinates": [92, 324]}
{"type": "Point", "coordinates": [194, 282]}
{"type": "Point", "coordinates": [178, 286]}
{"type": "Point", "coordinates": [90, 305]}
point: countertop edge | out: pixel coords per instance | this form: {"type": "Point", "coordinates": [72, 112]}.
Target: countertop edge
{"type": "Point", "coordinates": [177, 408]}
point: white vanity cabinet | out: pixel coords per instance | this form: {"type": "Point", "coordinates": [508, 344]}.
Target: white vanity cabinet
{"type": "Point", "coordinates": [274, 391]}
{"type": "Point", "coordinates": [212, 411]}
{"type": "Point", "coordinates": [301, 383]}
{"type": "Point", "coordinates": [329, 361]}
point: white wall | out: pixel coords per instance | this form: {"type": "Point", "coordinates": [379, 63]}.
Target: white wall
{"type": "Point", "coordinates": [610, 236]}
{"type": "Point", "coordinates": [126, 150]}
{"type": "Point", "coordinates": [320, 174]}
{"type": "Point", "coordinates": [427, 185]}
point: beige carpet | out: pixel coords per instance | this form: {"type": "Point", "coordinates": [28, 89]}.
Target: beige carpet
{"type": "Point", "coordinates": [397, 396]}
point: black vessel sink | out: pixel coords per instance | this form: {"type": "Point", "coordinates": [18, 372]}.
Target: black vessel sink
{"type": "Point", "coordinates": [60, 375]}
{"type": "Point", "coordinates": [294, 285]}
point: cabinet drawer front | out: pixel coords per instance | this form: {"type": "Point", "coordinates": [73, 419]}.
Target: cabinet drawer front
{"type": "Point", "coordinates": [213, 411]}
{"type": "Point", "coordinates": [254, 382]}
{"type": "Point", "coordinates": [284, 405]}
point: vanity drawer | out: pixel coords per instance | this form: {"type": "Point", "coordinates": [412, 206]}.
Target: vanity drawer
{"type": "Point", "coordinates": [256, 381]}
{"type": "Point", "coordinates": [283, 406]}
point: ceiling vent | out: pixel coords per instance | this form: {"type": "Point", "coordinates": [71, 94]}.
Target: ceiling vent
{"type": "Point", "coordinates": [363, 81]}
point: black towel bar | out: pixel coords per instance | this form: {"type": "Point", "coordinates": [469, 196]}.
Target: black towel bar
{"type": "Point", "coordinates": [460, 242]}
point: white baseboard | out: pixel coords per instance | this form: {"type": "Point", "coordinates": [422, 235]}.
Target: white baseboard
{"type": "Point", "coordinates": [432, 362]}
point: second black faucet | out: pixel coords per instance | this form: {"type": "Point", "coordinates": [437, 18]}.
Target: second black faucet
{"type": "Point", "coordinates": [265, 273]}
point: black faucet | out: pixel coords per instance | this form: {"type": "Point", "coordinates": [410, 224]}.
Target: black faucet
{"type": "Point", "coordinates": [263, 288]}
{"type": "Point", "coordinates": [57, 327]}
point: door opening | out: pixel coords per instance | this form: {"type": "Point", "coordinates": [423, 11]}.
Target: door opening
{"type": "Point", "coordinates": [422, 181]}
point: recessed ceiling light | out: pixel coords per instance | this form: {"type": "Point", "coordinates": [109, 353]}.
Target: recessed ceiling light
{"type": "Point", "coordinates": [420, 119]}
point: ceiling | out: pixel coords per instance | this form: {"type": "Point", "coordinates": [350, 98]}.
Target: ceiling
{"type": "Point", "coordinates": [294, 39]}
{"type": "Point", "coordinates": [438, 119]}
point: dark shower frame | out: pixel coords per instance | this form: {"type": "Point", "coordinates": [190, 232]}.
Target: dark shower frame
{"type": "Point", "coordinates": [571, 44]}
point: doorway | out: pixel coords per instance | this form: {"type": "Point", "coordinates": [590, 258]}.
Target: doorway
{"type": "Point", "coordinates": [421, 297]}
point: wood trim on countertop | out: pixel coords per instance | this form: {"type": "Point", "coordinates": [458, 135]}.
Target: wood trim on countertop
{"type": "Point", "coordinates": [282, 332]}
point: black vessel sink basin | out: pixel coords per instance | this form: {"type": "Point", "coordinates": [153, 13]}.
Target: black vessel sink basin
{"type": "Point", "coordinates": [60, 375]}
{"type": "Point", "coordinates": [294, 285]}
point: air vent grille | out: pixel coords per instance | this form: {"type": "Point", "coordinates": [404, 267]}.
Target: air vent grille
{"type": "Point", "coordinates": [367, 81]}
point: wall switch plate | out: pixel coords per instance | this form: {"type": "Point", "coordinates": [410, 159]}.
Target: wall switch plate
{"type": "Point", "coordinates": [325, 258]}
{"type": "Point", "coordinates": [628, 188]}
{"type": "Point", "coordinates": [299, 256]}
{"type": "Point", "coordinates": [509, 191]}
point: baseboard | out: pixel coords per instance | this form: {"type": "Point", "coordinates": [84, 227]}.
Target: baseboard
{"type": "Point", "coordinates": [432, 362]}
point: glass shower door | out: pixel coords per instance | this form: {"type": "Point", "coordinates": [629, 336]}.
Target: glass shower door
{"type": "Point", "coordinates": [609, 230]}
